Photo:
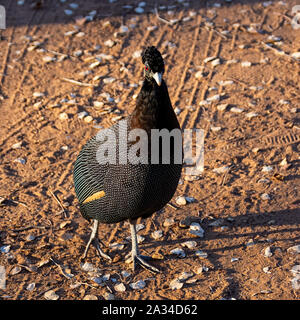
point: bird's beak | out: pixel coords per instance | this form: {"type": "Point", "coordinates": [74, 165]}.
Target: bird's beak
{"type": "Point", "coordinates": [157, 77]}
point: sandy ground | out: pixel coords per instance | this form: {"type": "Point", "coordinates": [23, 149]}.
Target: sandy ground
{"type": "Point", "coordinates": [249, 211]}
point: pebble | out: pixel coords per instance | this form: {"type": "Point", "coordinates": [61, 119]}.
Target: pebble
{"type": "Point", "coordinates": [185, 275]}
{"type": "Point", "coordinates": [214, 98]}
{"type": "Point", "coordinates": [296, 270]}
{"type": "Point", "coordinates": [139, 10]}
{"type": "Point", "coordinates": [116, 246]}
{"type": "Point", "coordinates": [2, 278]}
{"type": "Point", "coordinates": [202, 269]}
{"type": "Point", "coordinates": [20, 160]}
{"type": "Point", "coordinates": [294, 249]}
{"type": "Point", "coordinates": [68, 12]}
{"type": "Point", "coordinates": [179, 252]}
{"type": "Point", "coordinates": [199, 74]}
{"type": "Point", "coordinates": [78, 53]}
{"type": "Point", "coordinates": [120, 287]}
{"type": "Point", "coordinates": [267, 169]}
{"type": "Point", "coordinates": [295, 55]}
{"type": "Point", "coordinates": [88, 267]}
{"type": "Point", "coordinates": [201, 254]}
{"type": "Point", "coordinates": [30, 286]}
{"type": "Point", "coordinates": [168, 222]}
{"type": "Point", "coordinates": [222, 107]}
{"type": "Point", "coordinates": [88, 119]}
{"type": "Point", "coordinates": [152, 28]}
{"type": "Point", "coordinates": [236, 110]}
{"type": "Point", "coordinates": [108, 296]}
{"type": "Point", "coordinates": [208, 59]}
{"type": "Point", "coordinates": [246, 64]}
{"type": "Point", "coordinates": [181, 201]}
{"type": "Point", "coordinates": [109, 43]}
{"type": "Point", "coordinates": [225, 83]}
{"type": "Point", "coordinates": [265, 196]}
{"type": "Point", "coordinates": [123, 29]}
{"type": "Point", "coordinates": [30, 237]}
{"type": "Point", "coordinates": [90, 297]}
{"type": "Point", "coordinates": [38, 94]}
{"type": "Point", "coordinates": [137, 54]}
{"type": "Point", "coordinates": [266, 270]}
{"type": "Point", "coordinates": [189, 244]}
{"type": "Point", "coordinates": [109, 80]}
{"type": "Point", "coordinates": [51, 295]}
{"type": "Point", "coordinates": [15, 270]}
{"type": "Point", "coordinates": [63, 116]}
{"type": "Point", "coordinates": [157, 234]}
{"type": "Point", "coordinates": [48, 59]}
{"type": "Point", "coordinates": [234, 259]}
{"type": "Point", "coordinates": [221, 170]}
{"type": "Point", "coordinates": [250, 115]}
{"type": "Point", "coordinates": [140, 284]}
{"type": "Point", "coordinates": [196, 230]}
{"type": "Point", "coordinates": [94, 64]}
{"type": "Point", "coordinates": [268, 253]}
{"type": "Point", "coordinates": [82, 114]}
{"type": "Point", "coordinates": [232, 61]}
{"type": "Point", "coordinates": [176, 284]}
{"type": "Point", "coordinates": [216, 62]}
{"type": "Point", "coordinates": [5, 249]}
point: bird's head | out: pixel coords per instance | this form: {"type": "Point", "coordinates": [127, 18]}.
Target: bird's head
{"type": "Point", "coordinates": [154, 66]}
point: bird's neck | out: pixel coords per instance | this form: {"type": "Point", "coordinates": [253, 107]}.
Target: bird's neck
{"type": "Point", "coordinates": [153, 108]}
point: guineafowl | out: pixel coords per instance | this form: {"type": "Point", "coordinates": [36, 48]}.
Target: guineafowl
{"type": "Point", "coordinates": [114, 192]}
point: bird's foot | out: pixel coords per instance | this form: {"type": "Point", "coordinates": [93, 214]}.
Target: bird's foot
{"type": "Point", "coordinates": [141, 260]}
{"type": "Point", "coordinates": [99, 250]}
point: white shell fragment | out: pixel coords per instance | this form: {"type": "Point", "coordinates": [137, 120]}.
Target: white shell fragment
{"type": "Point", "coordinates": [179, 252]}
{"type": "Point", "coordinates": [208, 59]}
{"type": "Point", "coordinates": [109, 43]}
{"type": "Point", "coordinates": [222, 107]}
{"type": "Point", "coordinates": [88, 267]}
{"type": "Point", "coordinates": [268, 253]}
{"type": "Point", "coordinates": [196, 230]}
{"type": "Point", "coordinates": [137, 54]}
{"type": "Point", "coordinates": [201, 254]}
{"type": "Point", "coordinates": [265, 196]}
{"type": "Point", "coordinates": [295, 55]}
{"type": "Point", "coordinates": [176, 284]}
{"type": "Point", "coordinates": [250, 115]}
{"type": "Point", "coordinates": [140, 284]}
{"type": "Point", "coordinates": [48, 59]}
{"type": "Point", "coordinates": [156, 234]}
{"type": "Point", "coordinates": [267, 169]}
{"type": "Point", "coordinates": [216, 62]}
{"type": "Point", "coordinates": [51, 295]}
{"type": "Point", "coordinates": [294, 249]}
{"type": "Point", "coordinates": [30, 286]}
{"type": "Point", "coordinates": [189, 244]}
{"type": "Point", "coordinates": [236, 110]}
{"type": "Point", "coordinates": [246, 64]}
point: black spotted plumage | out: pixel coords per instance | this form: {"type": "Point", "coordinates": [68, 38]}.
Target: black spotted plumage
{"type": "Point", "coordinates": [131, 190]}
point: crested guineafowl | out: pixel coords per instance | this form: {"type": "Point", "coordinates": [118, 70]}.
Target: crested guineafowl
{"type": "Point", "coordinates": [118, 191]}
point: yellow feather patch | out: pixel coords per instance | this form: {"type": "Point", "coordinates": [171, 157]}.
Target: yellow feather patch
{"type": "Point", "coordinates": [94, 196]}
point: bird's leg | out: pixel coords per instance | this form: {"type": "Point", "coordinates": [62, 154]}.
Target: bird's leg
{"type": "Point", "coordinates": [136, 257]}
{"type": "Point", "coordinates": [94, 239]}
